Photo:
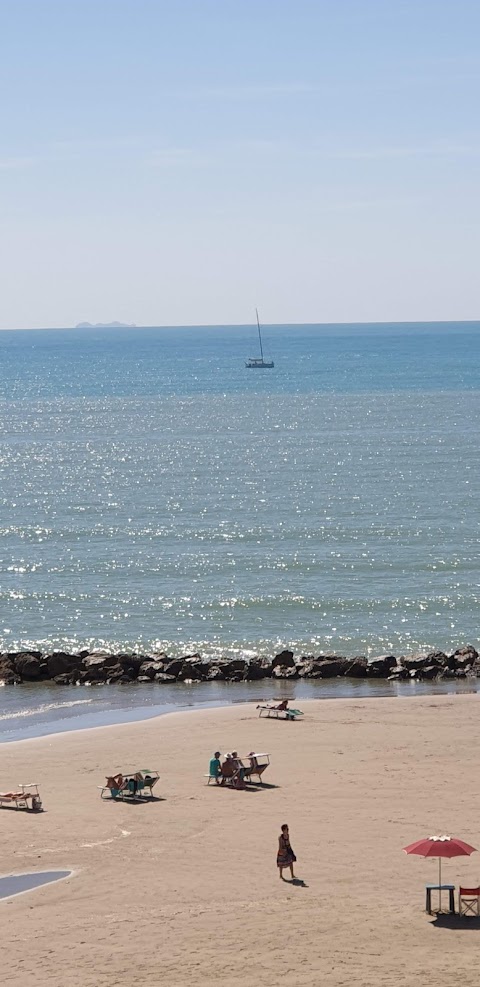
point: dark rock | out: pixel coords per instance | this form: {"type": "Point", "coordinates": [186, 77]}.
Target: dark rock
{"type": "Point", "coordinates": [236, 676]}
{"type": "Point", "coordinates": [13, 655]}
{"type": "Point", "coordinates": [9, 677]}
{"type": "Point", "coordinates": [464, 658]}
{"type": "Point", "coordinates": [428, 672]}
{"type": "Point", "coordinates": [28, 667]}
{"type": "Point", "coordinates": [310, 669]}
{"type": "Point", "coordinates": [150, 668]}
{"type": "Point", "coordinates": [98, 668]}
{"type": "Point", "coordinates": [133, 662]}
{"type": "Point", "coordinates": [233, 666]}
{"type": "Point", "coordinates": [326, 668]}
{"type": "Point", "coordinates": [200, 665]}
{"type": "Point", "coordinates": [66, 678]}
{"type": "Point", "coordinates": [381, 667]}
{"type": "Point", "coordinates": [215, 673]}
{"type": "Point", "coordinates": [60, 662]}
{"type": "Point", "coordinates": [400, 673]}
{"type": "Point", "coordinates": [257, 668]}
{"type": "Point", "coordinates": [422, 661]}
{"type": "Point", "coordinates": [438, 658]}
{"type": "Point", "coordinates": [99, 662]}
{"type": "Point", "coordinates": [285, 658]}
{"type": "Point", "coordinates": [130, 674]}
{"type": "Point", "coordinates": [174, 667]}
{"type": "Point", "coordinates": [466, 652]}
{"type": "Point", "coordinates": [192, 672]}
{"type": "Point", "coordinates": [115, 673]}
{"type": "Point", "coordinates": [6, 665]}
{"type": "Point", "coordinates": [463, 663]}
{"type": "Point", "coordinates": [163, 677]}
{"type": "Point", "coordinates": [285, 672]}
{"type": "Point", "coordinates": [357, 669]}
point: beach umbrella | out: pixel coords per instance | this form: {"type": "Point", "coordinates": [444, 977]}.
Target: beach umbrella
{"type": "Point", "coordinates": [440, 846]}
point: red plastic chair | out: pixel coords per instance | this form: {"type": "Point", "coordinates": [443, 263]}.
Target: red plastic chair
{"type": "Point", "coordinates": [469, 901]}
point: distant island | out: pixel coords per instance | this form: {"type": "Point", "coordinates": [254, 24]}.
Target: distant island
{"type": "Point", "coordinates": [105, 325]}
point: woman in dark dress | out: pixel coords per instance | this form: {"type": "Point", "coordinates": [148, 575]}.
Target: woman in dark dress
{"type": "Point", "coordinates": [285, 855]}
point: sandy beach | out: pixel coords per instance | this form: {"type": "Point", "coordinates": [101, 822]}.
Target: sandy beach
{"type": "Point", "coordinates": [185, 890]}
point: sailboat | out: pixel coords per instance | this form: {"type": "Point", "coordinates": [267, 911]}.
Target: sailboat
{"type": "Point", "coordinates": [258, 362]}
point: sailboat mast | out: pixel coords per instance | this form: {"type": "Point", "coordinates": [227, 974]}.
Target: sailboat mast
{"type": "Point", "coordinates": [259, 334]}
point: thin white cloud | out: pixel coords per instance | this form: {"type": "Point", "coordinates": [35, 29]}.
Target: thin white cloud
{"type": "Point", "coordinates": [249, 92]}
{"type": "Point", "coordinates": [167, 157]}
{"type": "Point", "coordinates": [414, 151]}
{"type": "Point", "coordinates": [387, 202]}
{"type": "Point", "coordinates": [16, 163]}
{"type": "Point", "coordinates": [77, 145]}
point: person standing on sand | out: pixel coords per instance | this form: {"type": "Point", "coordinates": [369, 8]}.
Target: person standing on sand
{"type": "Point", "coordinates": [285, 855]}
{"type": "Point", "coordinates": [215, 769]}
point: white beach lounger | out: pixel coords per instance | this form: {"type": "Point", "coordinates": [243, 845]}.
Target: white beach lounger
{"type": "Point", "coordinates": [27, 797]}
{"type": "Point", "coordinates": [279, 714]}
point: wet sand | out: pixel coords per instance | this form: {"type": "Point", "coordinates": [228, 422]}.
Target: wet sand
{"type": "Point", "coordinates": [185, 890]}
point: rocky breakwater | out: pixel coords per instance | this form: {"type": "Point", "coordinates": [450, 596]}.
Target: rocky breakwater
{"type": "Point", "coordinates": [96, 667]}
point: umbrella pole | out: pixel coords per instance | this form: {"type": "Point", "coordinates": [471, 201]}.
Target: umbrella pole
{"type": "Point", "coordinates": [440, 884]}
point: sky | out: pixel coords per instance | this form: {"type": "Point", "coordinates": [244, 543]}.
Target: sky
{"type": "Point", "coordinates": [175, 162]}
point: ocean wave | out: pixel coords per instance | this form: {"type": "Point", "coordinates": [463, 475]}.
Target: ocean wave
{"type": "Point", "coordinates": [44, 708]}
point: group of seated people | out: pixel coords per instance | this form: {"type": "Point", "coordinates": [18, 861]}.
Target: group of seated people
{"type": "Point", "coordinates": [130, 784]}
{"type": "Point", "coordinates": [232, 770]}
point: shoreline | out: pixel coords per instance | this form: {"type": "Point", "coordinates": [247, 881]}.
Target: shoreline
{"type": "Point", "coordinates": [310, 705]}
{"type": "Point", "coordinates": [34, 713]}
{"type": "Point", "coordinates": [180, 876]}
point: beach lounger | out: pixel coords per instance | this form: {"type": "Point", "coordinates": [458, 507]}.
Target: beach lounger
{"type": "Point", "coordinates": [255, 764]}
{"type": "Point", "coordinates": [278, 713]}
{"type": "Point", "coordinates": [27, 797]}
{"type": "Point", "coordinates": [130, 785]}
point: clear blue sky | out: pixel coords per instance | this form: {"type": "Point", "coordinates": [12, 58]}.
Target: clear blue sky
{"type": "Point", "coordinates": [181, 161]}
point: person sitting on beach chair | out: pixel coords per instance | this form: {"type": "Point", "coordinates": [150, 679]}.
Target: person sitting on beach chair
{"type": "Point", "coordinates": [238, 764]}
{"type": "Point", "coordinates": [231, 772]}
{"type": "Point", "coordinates": [239, 771]}
{"type": "Point", "coordinates": [115, 783]}
{"type": "Point", "coordinates": [227, 768]}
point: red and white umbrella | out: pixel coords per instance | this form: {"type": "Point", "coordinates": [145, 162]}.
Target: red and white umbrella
{"type": "Point", "coordinates": [440, 846]}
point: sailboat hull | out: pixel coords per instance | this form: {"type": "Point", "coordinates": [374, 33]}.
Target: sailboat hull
{"type": "Point", "coordinates": [258, 364]}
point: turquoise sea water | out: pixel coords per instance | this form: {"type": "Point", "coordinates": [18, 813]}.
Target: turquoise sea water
{"type": "Point", "coordinates": [157, 494]}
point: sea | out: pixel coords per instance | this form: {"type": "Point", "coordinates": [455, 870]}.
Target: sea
{"type": "Point", "coordinates": [158, 495]}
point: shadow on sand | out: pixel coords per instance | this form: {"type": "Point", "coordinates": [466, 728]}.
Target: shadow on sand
{"type": "Point", "coordinates": [139, 801]}
{"type": "Point", "coordinates": [296, 881]}
{"type": "Point", "coordinates": [464, 922]}
{"type": "Point", "coordinates": [259, 786]}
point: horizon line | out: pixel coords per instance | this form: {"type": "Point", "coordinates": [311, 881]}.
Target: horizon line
{"type": "Point", "coordinates": [238, 325]}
